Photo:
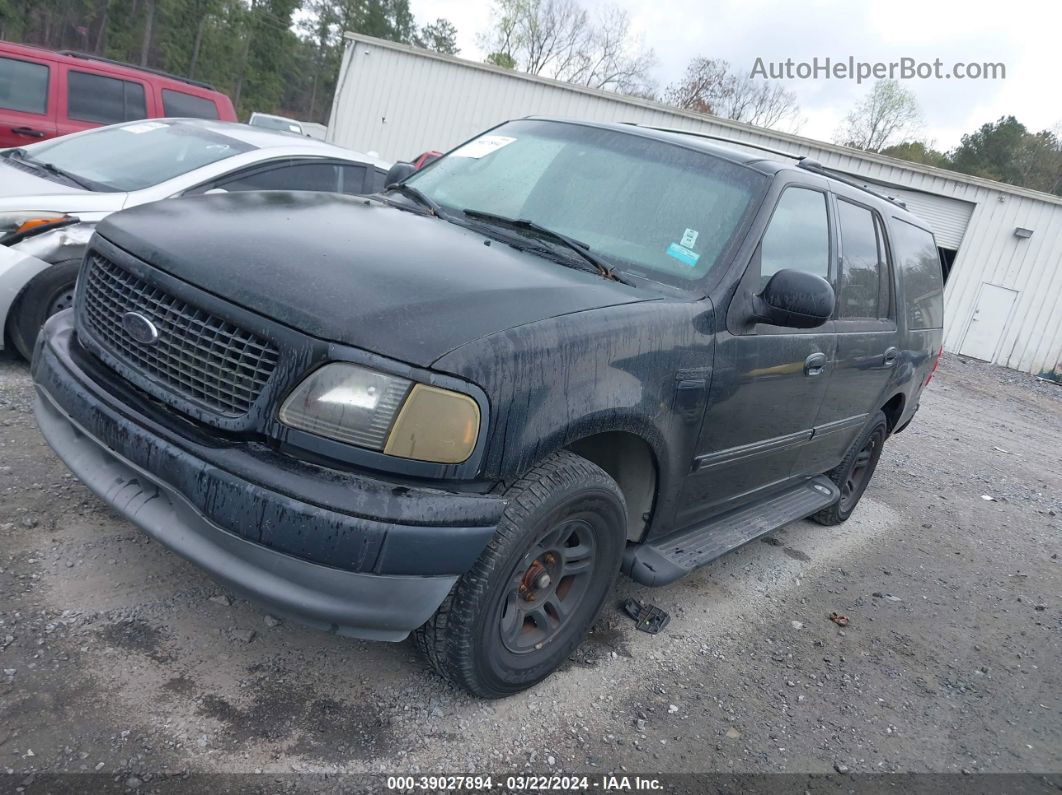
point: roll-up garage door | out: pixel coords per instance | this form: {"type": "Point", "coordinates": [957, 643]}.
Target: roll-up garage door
{"type": "Point", "coordinates": [948, 217]}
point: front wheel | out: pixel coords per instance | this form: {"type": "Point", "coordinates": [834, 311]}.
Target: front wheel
{"type": "Point", "coordinates": [853, 474]}
{"type": "Point", "coordinates": [529, 600]}
{"type": "Point", "coordinates": [48, 292]}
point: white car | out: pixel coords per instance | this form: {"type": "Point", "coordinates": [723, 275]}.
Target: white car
{"type": "Point", "coordinates": [53, 194]}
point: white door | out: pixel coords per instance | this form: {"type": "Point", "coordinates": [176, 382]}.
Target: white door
{"type": "Point", "coordinates": [988, 322]}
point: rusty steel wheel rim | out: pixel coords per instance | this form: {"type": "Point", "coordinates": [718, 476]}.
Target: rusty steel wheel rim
{"type": "Point", "coordinates": [547, 586]}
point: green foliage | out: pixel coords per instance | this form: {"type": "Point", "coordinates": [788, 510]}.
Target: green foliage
{"type": "Point", "coordinates": [1003, 150]}
{"type": "Point", "coordinates": [918, 152]}
{"type": "Point", "coordinates": [440, 35]}
{"type": "Point", "coordinates": [502, 59]}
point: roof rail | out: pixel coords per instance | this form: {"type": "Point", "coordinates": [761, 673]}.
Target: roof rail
{"type": "Point", "coordinates": [815, 167]}
{"type": "Point", "coordinates": [721, 138]}
{"type": "Point", "coordinates": [90, 57]}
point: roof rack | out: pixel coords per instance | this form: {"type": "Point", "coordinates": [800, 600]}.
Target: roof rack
{"type": "Point", "coordinates": [815, 167]}
{"type": "Point", "coordinates": [90, 57]}
{"type": "Point", "coordinates": [721, 138]}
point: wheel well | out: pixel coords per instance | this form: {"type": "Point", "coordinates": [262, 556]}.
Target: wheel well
{"type": "Point", "coordinates": [893, 410]}
{"type": "Point", "coordinates": [629, 460]}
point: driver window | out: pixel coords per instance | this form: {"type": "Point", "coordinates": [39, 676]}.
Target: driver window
{"type": "Point", "coordinates": [797, 236]}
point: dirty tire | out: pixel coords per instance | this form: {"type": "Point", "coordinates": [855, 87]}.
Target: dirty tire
{"type": "Point", "coordinates": [858, 464]}
{"type": "Point", "coordinates": [480, 638]}
{"type": "Point", "coordinates": [47, 290]}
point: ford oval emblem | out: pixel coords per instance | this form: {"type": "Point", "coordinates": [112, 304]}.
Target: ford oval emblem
{"type": "Point", "coordinates": [140, 328]}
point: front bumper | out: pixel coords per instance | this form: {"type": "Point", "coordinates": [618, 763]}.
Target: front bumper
{"type": "Point", "coordinates": [16, 269]}
{"type": "Point", "coordinates": [339, 551]}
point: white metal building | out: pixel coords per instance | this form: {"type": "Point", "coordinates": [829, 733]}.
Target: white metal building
{"type": "Point", "coordinates": [1001, 245]}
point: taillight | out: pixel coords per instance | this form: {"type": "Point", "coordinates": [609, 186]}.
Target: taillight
{"type": "Point", "coordinates": [933, 369]}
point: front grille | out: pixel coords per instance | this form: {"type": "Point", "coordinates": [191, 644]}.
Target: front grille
{"type": "Point", "coordinates": [197, 355]}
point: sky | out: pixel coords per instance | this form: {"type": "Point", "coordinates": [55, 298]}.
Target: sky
{"type": "Point", "coordinates": [1021, 34]}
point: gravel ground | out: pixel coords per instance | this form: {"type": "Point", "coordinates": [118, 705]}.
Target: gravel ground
{"type": "Point", "coordinates": [116, 656]}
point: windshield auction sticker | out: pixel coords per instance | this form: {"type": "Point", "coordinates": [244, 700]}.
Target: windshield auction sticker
{"type": "Point", "coordinates": [147, 126]}
{"type": "Point", "coordinates": [482, 146]}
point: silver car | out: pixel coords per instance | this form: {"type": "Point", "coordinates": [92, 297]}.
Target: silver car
{"type": "Point", "coordinates": [53, 194]}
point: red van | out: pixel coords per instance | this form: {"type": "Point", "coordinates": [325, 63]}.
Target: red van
{"type": "Point", "coordinates": [44, 94]}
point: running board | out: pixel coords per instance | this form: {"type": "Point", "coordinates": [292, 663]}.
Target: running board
{"type": "Point", "coordinates": [665, 560]}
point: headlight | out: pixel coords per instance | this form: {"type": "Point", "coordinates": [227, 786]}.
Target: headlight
{"type": "Point", "coordinates": [20, 225]}
{"type": "Point", "coordinates": [386, 413]}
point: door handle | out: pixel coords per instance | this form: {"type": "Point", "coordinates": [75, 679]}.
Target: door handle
{"type": "Point", "coordinates": [889, 359]}
{"type": "Point", "coordinates": [814, 364]}
{"type": "Point", "coordinates": [29, 132]}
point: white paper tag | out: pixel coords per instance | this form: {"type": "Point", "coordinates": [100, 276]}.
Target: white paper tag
{"type": "Point", "coordinates": [483, 145]}
{"type": "Point", "coordinates": [147, 126]}
{"type": "Point", "coordinates": [689, 238]}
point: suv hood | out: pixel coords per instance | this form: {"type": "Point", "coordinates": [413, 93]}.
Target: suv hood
{"type": "Point", "coordinates": [358, 272]}
{"type": "Point", "coordinates": [21, 190]}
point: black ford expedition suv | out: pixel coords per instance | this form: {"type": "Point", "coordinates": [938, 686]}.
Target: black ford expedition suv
{"type": "Point", "coordinates": [460, 408]}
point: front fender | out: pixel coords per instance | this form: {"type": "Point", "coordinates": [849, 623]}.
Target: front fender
{"type": "Point", "coordinates": [20, 263]}
{"type": "Point", "coordinates": [642, 368]}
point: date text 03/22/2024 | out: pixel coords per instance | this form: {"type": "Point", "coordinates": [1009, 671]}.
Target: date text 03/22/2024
{"type": "Point", "coordinates": [607, 783]}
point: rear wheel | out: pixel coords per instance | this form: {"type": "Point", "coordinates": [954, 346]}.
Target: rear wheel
{"type": "Point", "coordinates": [529, 600]}
{"type": "Point", "coordinates": [853, 474]}
{"type": "Point", "coordinates": [47, 293]}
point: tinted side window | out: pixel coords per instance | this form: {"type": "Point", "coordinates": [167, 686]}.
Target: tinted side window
{"type": "Point", "coordinates": [307, 176]}
{"type": "Point", "coordinates": [179, 104]}
{"type": "Point", "coordinates": [798, 235]}
{"type": "Point", "coordinates": [106, 100]}
{"type": "Point", "coordinates": [864, 273]}
{"type": "Point", "coordinates": [352, 180]}
{"type": "Point", "coordinates": [23, 86]}
{"type": "Point", "coordinates": [921, 279]}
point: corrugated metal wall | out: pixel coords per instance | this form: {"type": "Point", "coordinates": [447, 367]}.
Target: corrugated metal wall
{"type": "Point", "coordinates": [400, 101]}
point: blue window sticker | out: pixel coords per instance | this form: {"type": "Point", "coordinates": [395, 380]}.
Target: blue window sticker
{"type": "Point", "coordinates": [683, 254]}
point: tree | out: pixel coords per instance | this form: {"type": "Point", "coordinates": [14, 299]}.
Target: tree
{"type": "Point", "coordinates": [502, 59]}
{"type": "Point", "coordinates": [918, 152]}
{"type": "Point", "coordinates": [711, 86]}
{"type": "Point", "coordinates": [1005, 150]}
{"type": "Point", "coordinates": [560, 39]}
{"type": "Point", "coordinates": [440, 35]}
{"type": "Point", "coordinates": [889, 112]}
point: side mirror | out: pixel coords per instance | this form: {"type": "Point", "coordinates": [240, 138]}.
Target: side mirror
{"type": "Point", "coordinates": [794, 299]}
{"type": "Point", "coordinates": [398, 172]}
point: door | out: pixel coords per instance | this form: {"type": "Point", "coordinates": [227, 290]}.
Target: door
{"type": "Point", "coordinates": [27, 108]}
{"type": "Point", "coordinates": [766, 384]}
{"type": "Point", "coordinates": [868, 352]}
{"type": "Point", "coordinates": [988, 322]}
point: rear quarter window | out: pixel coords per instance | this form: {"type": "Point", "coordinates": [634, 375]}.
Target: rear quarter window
{"type": "Point", "coordinates": [105, 100]}
{"type": "Point", "coordinates": [921, 280]}
{"type": "Point", "coordinates": [23, 86]}
{"type": "Point", "coordinates": [179, 104]}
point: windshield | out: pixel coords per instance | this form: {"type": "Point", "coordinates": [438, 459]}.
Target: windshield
{"type": "Point", "coordinates": [135, 156]}
{"type": "Point", "coordinates": [648, 207]}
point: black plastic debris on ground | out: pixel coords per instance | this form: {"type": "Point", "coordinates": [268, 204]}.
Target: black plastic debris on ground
{"type": "Point", "coordinates": [647, 618]}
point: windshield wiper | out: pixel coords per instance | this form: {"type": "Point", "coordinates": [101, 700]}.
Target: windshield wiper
{"type": "Point", "coordinates": [416, 195]}
{"type": "Point", "coordinates": [580, 248]}
{"type": "Point", "coordinates": [51, 168]}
